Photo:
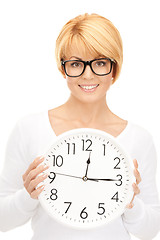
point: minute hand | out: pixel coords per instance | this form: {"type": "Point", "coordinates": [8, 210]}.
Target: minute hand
{"type": "Point", "coordinates": [102, 179]}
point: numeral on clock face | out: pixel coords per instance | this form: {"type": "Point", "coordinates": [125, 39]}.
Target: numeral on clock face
{"type": "Point", "coordinates": [68, 206]}
{"type": "Point", "coordinates": [84, 214]}
{"type": "Point", "coordinates": [102, 208]}
{"type": "Point", "coordinates": [57, 161]}
{"type": "Point", "coordinates": [120, 180]}
{"type": "Point", "coordinates": [104, 152]}
{"type": "Point", "coordinates": [115, 197]}
{"type": "Point", "coordinates": [118, 162]}
{"type": "Point", "coordinates": [86, 145]}
{"type": "Point", "coordinates": [71, 146]}
{"type": "Point", "coordinates": [52, 176]}
{"type": "Point", "coordinates": [53, 195]}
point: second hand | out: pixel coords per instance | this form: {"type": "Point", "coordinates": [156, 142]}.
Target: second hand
{"type": "Point", "coordinates": [83, 178]}
{"type": "Point", "coordinates": [68, 175]}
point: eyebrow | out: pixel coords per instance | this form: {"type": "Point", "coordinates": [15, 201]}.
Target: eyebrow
{"type": "Point", "coordinates": [99, 56]}
{"type": "Point", "coordinates": [75, 57]}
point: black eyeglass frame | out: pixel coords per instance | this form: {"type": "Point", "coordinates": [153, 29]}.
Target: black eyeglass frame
{"type": "Point", "coordinates": [87, 63]}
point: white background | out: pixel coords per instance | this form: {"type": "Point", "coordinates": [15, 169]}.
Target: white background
{"type": "Point", "coordinates": [30, 81]}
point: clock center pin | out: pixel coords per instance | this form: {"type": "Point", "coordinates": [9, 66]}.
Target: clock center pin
{"type": "Point", "coordinates": [85, 178]}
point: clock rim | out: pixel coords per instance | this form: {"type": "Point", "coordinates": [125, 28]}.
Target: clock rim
{"type": "Point", "coordinates": [123, 150]}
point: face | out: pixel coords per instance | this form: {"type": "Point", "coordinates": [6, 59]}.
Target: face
{"type": "Point", "coordinates": [78, 85]}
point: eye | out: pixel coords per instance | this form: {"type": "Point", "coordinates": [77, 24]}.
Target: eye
{"type": "Point", "coordinates": [100, 63]}
{"type": "Point", "coordinates": [76, 64]}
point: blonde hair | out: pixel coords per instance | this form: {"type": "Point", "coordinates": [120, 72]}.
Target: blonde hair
{"type": "Point", "coordinates": [96, 33]}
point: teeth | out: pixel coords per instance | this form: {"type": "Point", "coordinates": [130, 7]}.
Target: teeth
{"type": "Point", "coordinates": [89, 87]}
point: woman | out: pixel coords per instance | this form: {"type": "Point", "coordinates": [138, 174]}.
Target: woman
{"type": "Point", "coordinates": [89, 55]}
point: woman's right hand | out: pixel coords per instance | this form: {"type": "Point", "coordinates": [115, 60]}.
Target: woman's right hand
{"type": "Point", "coordinates": [31, 178]}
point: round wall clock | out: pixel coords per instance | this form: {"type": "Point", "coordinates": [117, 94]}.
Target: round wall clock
{"type": "Point", "coordinates": [89, 179]}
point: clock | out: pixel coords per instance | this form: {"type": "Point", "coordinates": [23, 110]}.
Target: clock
{"type": "Point", "coordinates": [89, 181]}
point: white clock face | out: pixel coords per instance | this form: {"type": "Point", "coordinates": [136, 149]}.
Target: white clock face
{"type": "Point", "coordinates": [90, 179]}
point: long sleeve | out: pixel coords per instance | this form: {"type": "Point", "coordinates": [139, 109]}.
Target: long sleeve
{"type": "Point", "coordinates": [143, 220]}
{"type": "Point", "coordinates": [16, 205]}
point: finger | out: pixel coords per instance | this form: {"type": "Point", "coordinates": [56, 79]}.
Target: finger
{"type": "Point", "coordinates": [33, 184]}
{"type": "Point", "coordinates": [137, 176]}
{"type": "Point", "coordinates": [36, 192]}
{"type": "Point", "coordinates": [136, 191]}
{"type": "Point", "coordinates": [130, 205]}
{"type": "Point", "coordinates": [135, 163]}
{"type": "Point", "coordinates": [33, 174]}
{"type": "Point", "coordinates": [135, 188]}
{"type": "Point", "coordinates": [32, 166]}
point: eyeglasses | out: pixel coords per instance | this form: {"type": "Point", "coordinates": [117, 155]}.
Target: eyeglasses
{"type": "Point", "coordinates": [100, 67]}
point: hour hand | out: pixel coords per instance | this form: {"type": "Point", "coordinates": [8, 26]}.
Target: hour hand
{"type": "Point", "coordinates": [88, 162]}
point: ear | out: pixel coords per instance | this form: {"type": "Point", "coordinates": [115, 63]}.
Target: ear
{"type": "Point", "coordinates": [114, 70]}
{"type": "Point", "coordinates": [63, 73]}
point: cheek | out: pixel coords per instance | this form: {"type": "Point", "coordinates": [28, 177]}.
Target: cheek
{"type": "Point", "coordinates": [72, 82]}
{"type": "Point", "coordinates": [69, 81]}
{"type": "Point", "coordinates": [70, 85]}
{"type": "Point", "coordinates": [106, 83]}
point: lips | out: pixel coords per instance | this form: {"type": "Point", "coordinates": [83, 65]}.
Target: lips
{"type": "Point", "coordinates": [88, 87]}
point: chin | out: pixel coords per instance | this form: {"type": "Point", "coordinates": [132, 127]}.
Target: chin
{"type": "Point", "coordinates": [88, 99]}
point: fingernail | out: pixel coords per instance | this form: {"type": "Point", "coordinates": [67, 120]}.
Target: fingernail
{"type": "Point", "coordinates": [134, 185]}
{"type": "Point", "coordinates": [46, 165]}
{"type": "Point", "coordinates": [132, 205]}
{"type": "Point", "coordinates": [45, 175]}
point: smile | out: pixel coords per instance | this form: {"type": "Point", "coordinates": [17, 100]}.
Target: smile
{"type": "Point", "coordinates": [89, 88]}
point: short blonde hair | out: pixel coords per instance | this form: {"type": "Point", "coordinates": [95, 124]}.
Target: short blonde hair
{"type": "Point", "coordinates": [96, 33]}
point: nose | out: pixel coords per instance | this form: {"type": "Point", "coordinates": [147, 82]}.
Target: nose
{"type": "Point", "coordinates": [88, 74]}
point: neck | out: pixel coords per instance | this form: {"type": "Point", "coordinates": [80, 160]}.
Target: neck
{"type": "Point", "coordinates": [87, 113]}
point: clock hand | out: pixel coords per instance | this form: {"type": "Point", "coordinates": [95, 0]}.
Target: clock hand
{"type": "Point", "coordinates": [84, 178]}
{"type": "Point", "coordinates": [67, 175]}
{"type": "Point", "coordinates": [102, 179]}
{"type": "Point", "coordinates": [88, 162]}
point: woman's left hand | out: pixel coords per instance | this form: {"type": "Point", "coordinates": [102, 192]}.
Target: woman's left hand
{"type": "Point", "coordinates": [135, 185]}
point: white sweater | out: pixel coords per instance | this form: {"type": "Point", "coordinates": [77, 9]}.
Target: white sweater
{"type": "Point", "coordinates": [32, 137]}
